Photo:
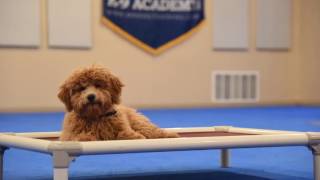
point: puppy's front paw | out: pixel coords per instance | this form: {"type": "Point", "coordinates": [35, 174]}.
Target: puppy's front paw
{"type": "Point", "coordinates": [129, 135]}
{"type": "Point", "coordinates": [171, 135]}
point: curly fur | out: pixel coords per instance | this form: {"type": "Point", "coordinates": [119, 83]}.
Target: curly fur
{"type": "Point", "coordinates": [86, 119]}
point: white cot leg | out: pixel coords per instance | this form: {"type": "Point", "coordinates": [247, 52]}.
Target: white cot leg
{"type": "Point", "coordinates": [316, 166]}
{"type": "Point", "coordinates": [61, 161]}
{"type": "Point", "coordinates": [60, 173]}
{"type": "Point", "coordinates": [316, 160]}
{"type": "Point", "coordinates": [2, 149]}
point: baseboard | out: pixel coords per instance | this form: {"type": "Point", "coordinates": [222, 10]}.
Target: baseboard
{"type": "Point", "coordinates": [214, 105]}
{"type": "Point", "coordinates": [175, 106]}
{"type": "Point", "coordinates": [31, 109]}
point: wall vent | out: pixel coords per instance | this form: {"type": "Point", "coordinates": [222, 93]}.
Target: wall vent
{"type": "Point", "coordinates": [235, 86]}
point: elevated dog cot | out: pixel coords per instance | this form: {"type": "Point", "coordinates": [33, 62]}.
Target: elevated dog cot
{"type": "Point", "coordinates": [201, 138]}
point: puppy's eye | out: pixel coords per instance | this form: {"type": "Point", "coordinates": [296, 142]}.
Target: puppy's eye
{"type": "Point", "coordinates": [81, 88]}
{"type": "Point", "coordinates": [98, 85]}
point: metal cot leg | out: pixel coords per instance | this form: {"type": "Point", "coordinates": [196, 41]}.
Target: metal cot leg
{"type": "Point", "coordinates": [316, 166]}
{"type": "Point", "coordinates": [60, 173]}
{"type": "Point", "coordinates": [61, 161]}
{"type": "Point", "coordinates": [2, 149]}
{"type": "Point", "coordinates": [224, 158]}
{"type": "Point", "coordinates": [316, 161]}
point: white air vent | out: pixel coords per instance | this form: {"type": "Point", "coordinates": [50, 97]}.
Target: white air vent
{"type": "Point", "coordinates": [235, 86]}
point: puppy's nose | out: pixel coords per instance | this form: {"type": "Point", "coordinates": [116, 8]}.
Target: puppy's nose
{"type": "Point", "coordinates": [91, 97]}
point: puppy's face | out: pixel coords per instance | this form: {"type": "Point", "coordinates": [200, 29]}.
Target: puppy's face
{"type": "Point", "coordinates": [90, 92]}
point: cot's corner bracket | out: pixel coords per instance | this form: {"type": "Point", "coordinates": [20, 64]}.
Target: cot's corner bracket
{"type": "Point", "coordinates": [61, 159]}
{"type": "Point", "coordinates": [314, 142]}
{"type": "Point", "coordinates": [315, 149]}
{"type": "Point", "coordinates": [64, 152]}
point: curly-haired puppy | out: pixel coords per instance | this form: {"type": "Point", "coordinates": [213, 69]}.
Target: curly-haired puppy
{"type": "Point", "coordinates": [92, 96]}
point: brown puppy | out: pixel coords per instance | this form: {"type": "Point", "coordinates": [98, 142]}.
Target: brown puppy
{"type": "Point", "coordinates": [92, 96]}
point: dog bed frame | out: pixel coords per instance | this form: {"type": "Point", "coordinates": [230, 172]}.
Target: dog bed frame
{"type": "Point", "coordinates": [201, 138]}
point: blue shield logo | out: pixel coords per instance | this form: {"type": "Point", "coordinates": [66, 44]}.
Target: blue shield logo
{"type": "Point", "coordinates": [154, 25]}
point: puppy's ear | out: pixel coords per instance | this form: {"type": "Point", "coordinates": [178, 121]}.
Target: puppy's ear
{"type": "Point", "coordinates": [116, 86]}
{"type": "Point", "coordinates": [64, 96]}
